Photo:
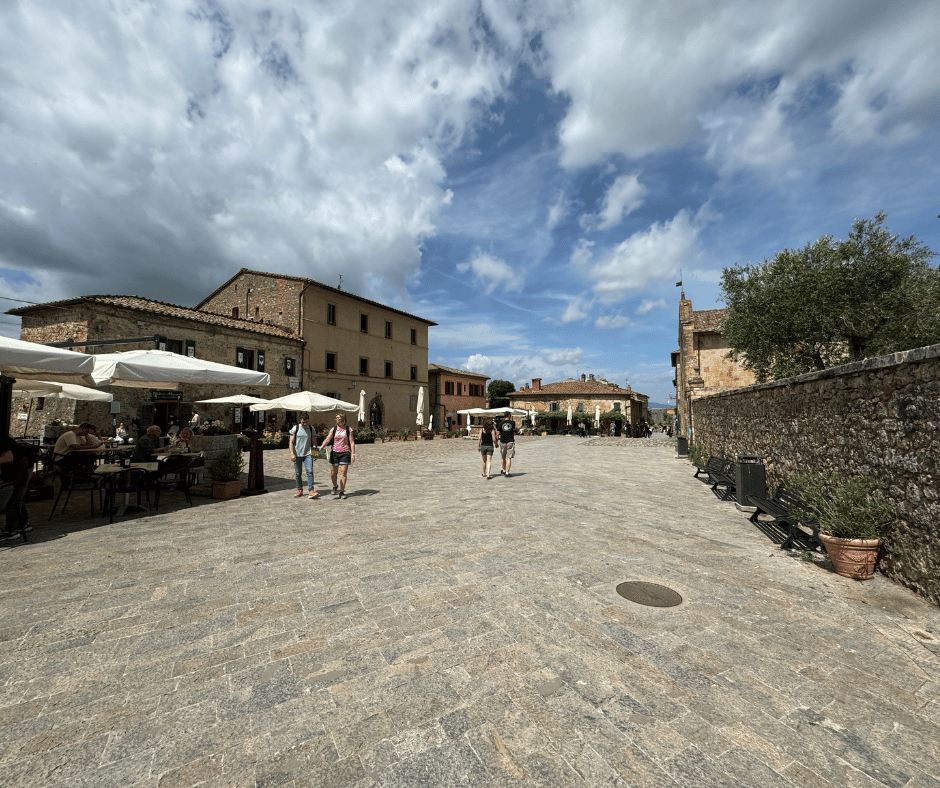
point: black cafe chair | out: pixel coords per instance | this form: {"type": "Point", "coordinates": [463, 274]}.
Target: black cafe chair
{"type": "Point", "coordinates": [76, 475]}
{"type": "Point", "coordinates": [173, 474]}
{"type": "Point", "coordinates": [130, 480]}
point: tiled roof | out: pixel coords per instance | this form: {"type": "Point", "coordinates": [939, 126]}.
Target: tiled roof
{"type": "Point", "coordinates": [433, 367]}
{"type": "Point", "coordinates": [708, 320]}
{"type": "Point", "coordinates": [139, 304]}
{"type": "Point", "coordinates": [307, 281]}
{"type": "Point", "coordinates": [574, 386]}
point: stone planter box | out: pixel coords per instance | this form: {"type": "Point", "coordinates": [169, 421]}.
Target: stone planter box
{"type": "Point", "coordinates": [212, 446]}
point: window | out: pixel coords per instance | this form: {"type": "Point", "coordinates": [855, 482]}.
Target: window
{"type": "Point", "coordinates": [330, 314]}
{"type": "Point", "coordinates": [388, 329]}
{"type": "Point", "coordinates": [448, 387]}
{"type": "Point", "coordinates": [364, 324]}
{"type": "Point", "coordinates": [175, 346]}
{"type": "Point", "coordinates": [260, 366]}
{"type": "Point", "coordinates": [290, 365]}
{"type": "Point", "coordinates": [331, 362]}
{"type": "Point", "coordinates": [413, 403]}
{"type": "Point", "coordinates": [388, 369]}
{"type": "Point", "coordinates": [580, 407]}
{"type": "Point", "coordinates": [257, 311]}
{"type": "Point", "coordinates": [331, 394]}
{"type": "Point", "coordinates": [617, 406]}
{"type": "Point", "coordinates": [414, 373]}
{"type": "Point", "coordinates": [234, 311]}
{"type": "Point", "coordinates": [40, 403]}
{"type": "Point", "coordinates": [363, 366]}
{"type": "Point", "coordinates": [553, 406]}
{"type": "Point", "coordinates": [414, 337]}
{"type": "Point", "coordinates": [249, 359]}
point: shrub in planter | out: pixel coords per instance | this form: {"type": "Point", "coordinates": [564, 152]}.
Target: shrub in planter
{"type": "Point", "coordinates": [214, 430]}
{"type": "Point", "coordinates": [851, 520]}
{"type": "Point", "coordinates": [226, 474]}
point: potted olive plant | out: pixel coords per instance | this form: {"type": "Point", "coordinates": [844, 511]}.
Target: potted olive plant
{"type": "Point", "coordinates": [851, 520]}
{"type": "Point", "coordinates": [226, 475]}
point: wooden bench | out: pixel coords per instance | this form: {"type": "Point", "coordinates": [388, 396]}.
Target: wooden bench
{"type": "Point", "coordinates": [781, 508]}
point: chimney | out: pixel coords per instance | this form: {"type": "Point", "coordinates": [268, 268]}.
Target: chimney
{"type": "Point", "coordinates": [592, 376]}
{"type": "Point", "coordinates": [536, 384]}
{"type": "Point", "coordinates": [583, 377]}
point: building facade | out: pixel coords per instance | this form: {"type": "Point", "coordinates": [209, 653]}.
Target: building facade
{"type": "Point", "coordinates": [352, 344]}
{"type": "Point", "coordinates": [451, 390]}
{"type": "Point", "coordinates": [583, 396]}
{"type": "Point", "coordinates": [100, 318]}
{"type": "Point", "coordinates": [702, 363]}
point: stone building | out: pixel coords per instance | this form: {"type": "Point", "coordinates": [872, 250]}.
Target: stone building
{"type": "Point", "coordinates": [582, 395]}
{"type": "Point", "coordinates": [450, 390]}
{"type": "Point", "coordinates": [352, 343]}
{"type": "Point", "coordinates": [250, 344]}
{"type": "Point", "coordinates": [702, 363]}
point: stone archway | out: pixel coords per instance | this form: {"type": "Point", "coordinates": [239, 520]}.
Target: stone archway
{"type": "Point", "coordinates": [376, 411]}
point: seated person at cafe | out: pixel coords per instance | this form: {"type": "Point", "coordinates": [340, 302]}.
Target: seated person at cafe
{"type": "Point", "coordinates": [120, 434]}
{"type": "Point", "coordinates": [93, 438]}
{"type": "Point", "coordinates": [146, 447]}
{"type": "Point", "coordinates": [182, 442]}
{"type": "Point", "coordinates": [73, 440]}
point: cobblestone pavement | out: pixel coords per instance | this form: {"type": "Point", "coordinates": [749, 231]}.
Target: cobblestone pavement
{"type": "Point", "coordinates": [440, 629]}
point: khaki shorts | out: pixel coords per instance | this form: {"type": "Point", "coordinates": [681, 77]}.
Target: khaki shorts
{"type": "Point", "coordinates": [507, 450]}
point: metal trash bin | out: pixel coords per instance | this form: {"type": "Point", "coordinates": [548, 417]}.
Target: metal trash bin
{"type": "Point", "coordinates": [682, 446]}
{"type": "Point", "coordinates": [750, 478]}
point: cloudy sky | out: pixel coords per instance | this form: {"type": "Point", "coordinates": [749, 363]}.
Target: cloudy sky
{"type": "Point", "coordinates": [533, 176]}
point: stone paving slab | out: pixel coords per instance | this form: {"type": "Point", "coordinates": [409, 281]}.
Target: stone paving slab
{"type": "Point", "coordinates": [440, 629]}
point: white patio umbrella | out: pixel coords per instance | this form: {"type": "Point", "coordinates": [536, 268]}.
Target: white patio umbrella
{"type": "Point", "coordinates": [597, 416]}
{"type": "Point", "coordinates": [420, 418]}
{"type": "Point", "coordinates": [306, 401]}
{"type": "Point", "coordinates": [235, 399]}
{"type": "Point", "coordinates": [569, 415]}
{"type": "Point", "coordinates": [20, 359]}
{"type": "Point", "coordinates": [362, 406]}
{"type": "Point", "coordinates": [48, 388]}
{"type": "Point", "coordinates": [146, 368]}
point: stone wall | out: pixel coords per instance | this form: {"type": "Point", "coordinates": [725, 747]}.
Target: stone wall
{"type": "Point", "coordinates": [878, 417]}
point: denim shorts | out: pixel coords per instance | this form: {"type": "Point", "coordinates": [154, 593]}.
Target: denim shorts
{"type": "Point", "coordinates": [340, 458]}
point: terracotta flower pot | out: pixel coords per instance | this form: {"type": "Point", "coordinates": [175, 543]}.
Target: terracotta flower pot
{"type": "Point", "coordinates": [225, 491]}
{"type": "Point", "coordinates": [852, 558]}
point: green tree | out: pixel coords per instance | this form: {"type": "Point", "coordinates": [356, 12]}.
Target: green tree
{"type": "Point", "coordinates": [832, 302]}
{"type": "Point", "coordinates": [496, 393]}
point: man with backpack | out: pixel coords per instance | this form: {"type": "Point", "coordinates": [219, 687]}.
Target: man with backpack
{"type": "Point", "coordinates": [507, 442]}
{"type": "Point", "coordinates": [301, 447]}
{"type": "Point", "coordinates": [16, 469]}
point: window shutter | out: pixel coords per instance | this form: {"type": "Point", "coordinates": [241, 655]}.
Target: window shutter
{"type": "Point", "coordinates": [191, 348]}
{"type": "Point", "coordinates": [240, 357]}
{"type": "Point", "coordinates": [260, 361]}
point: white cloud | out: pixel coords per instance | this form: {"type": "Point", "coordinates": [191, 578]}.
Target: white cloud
{"type": "Point", "coordinates": [578, 308]}
{"type": "Point", "coordinates": [647, 305]}
{"type": "Point", "coordinates": [613, 321]}
{"type": "Point", "coordinates": [549, 364]}
{"type": "Point", "coordinates": [674, 60]}
{"type": "Point", "coordinates": [558, 210]}
{"type": "Point", "coordinates": [492, 272]}
{"type": "Point", "coordinates": [656, 252]}
{"type": "Point", "coordinates": [624, 196]}
{"type": "Point", "coordinates": [581, 253]}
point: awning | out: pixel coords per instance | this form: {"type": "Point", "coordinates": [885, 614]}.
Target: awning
{"type": "Point", "coordinates": [146, 368]}
{"type": "Point", "coordinates": [20, 359]}
{"type": "Point", "coordinates": [48, 388]}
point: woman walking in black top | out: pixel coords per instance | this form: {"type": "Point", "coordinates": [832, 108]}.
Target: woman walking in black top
{"type": "Point", "coordinates": [485, 444]}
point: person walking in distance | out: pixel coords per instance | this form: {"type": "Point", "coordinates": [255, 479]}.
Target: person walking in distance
{"type": "Point", "coordinates": [485, 445]}
{"type": "Point", "coordinates": [301, 445]}
{"type": "Point", "coordinates": [507, 442]}
{"type": "Point", "coordinates": [342, 456]}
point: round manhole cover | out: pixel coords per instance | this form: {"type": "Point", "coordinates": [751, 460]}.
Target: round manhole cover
{"type": "Point", "coordinates": [649, 594]}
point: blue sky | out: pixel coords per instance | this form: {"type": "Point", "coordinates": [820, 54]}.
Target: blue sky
{"type": "Point", "coordinates": [533, 176]}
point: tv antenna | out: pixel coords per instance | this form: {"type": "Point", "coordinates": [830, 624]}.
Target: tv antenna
{"type": "Point", "coordinates": [340, 285]}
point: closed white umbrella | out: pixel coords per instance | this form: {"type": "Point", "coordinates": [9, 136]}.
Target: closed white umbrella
{"type": "Point", "coordinates": [306, 401]}
{"type": "Point", "coordinates": [569, 415]}
{"type": "Point", "coordinates": [146, 368]}
{"type": "Point", "coordinates": [48, 388]}
{"type": "Point", "coordinates": [431, 422]}
{"type": "Point", "coordinates": [532, 416]}
{"type": "Point", "coordinates": [597, 416]}
{"type": "Point", "coordinates": [20, 359]}
{"type": "Point", "coordinates": [420, 419]}
{"type": "Point", "coordinates": [362, 406]}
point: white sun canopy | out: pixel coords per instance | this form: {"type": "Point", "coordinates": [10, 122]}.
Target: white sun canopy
{"type": "Point", "coordinates": [146, 368]}
{"type": "Point", "coordinates": [48, 388]}
{"type": "Point", "coordinates": [306, 401]}
{"type": "Point", "coordinates": [235, 399]}
{"type": "Point", "coordinates": [493, 411]}
{"type": "Point", "coordinates": [20, 359]}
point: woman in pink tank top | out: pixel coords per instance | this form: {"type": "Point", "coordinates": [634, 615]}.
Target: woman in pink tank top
{"type": "Point", "coordinates": [342, 455]}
